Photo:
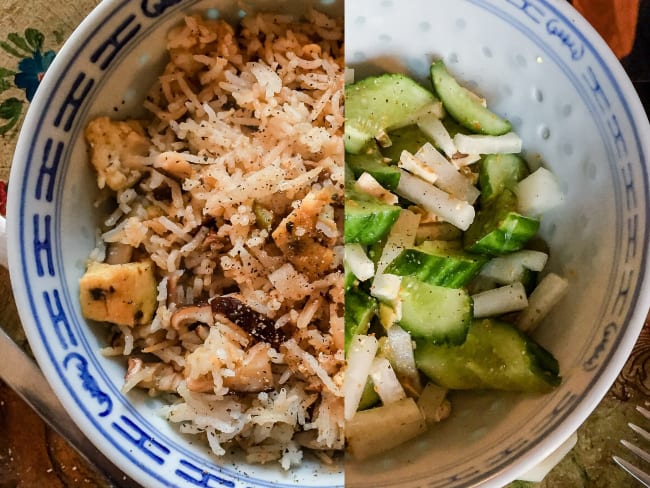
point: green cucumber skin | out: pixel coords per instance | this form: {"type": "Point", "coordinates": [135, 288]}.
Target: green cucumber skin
{"type": "Point", "coordinates": [360, 308]}
{"type": "Point", "coordinates": [348, 176]}
{"type": "Point", "coordinates": [466, 111]}
{"type": "Point", "coordinates": [369, 397]}
{"type": "Point", "coordinates": [370, 160]}
{"type": "Point", "coordinates": [451, 270]}
{"type": "Point", "coordinates": [530, 280]}
{"type": "Point", "coordinates": [354, 140]}
{"type": "Point", "coordinates": [349, 278]}
{"type": "Point", "coordinates": [409, 138]}
{"type": "Point", "coordinates": [513, 232]}
{"type": "Point", "coordinates": [380, 103]}
{"type": "Point", "coordinates": [367, 220]}
{"type": "Point", "coordinates": [498, 229]}
{"type": "Point", "coordinates": [499, 171]}
{"type": "Point", "coordinates": [495, 355]}
{"type": "Point", "coordinates": [437, 314]}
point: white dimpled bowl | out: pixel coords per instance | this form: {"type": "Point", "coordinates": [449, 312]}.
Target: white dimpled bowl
{"type": "Point", "coordinates": [107, 66]}
{"type": "Point", "coordinates": [539, 64]}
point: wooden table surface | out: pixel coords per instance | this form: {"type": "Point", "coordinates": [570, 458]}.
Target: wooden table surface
{"type": "Point", "coordinates": [33, 455]}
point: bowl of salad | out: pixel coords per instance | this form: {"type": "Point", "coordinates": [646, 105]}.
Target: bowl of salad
{"type": "Point", "coordinates": [175, 159]}
{"type": "Point", "coordinates": [496, 218]}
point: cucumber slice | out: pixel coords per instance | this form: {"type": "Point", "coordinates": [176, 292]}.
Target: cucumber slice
{"type": "Point", "coordinates": [466, 110]}
{"type": "Point", "coordinates": [499, 171]}
{"type": "Point", "coordinates": [360, 308]}
{"type": "Point", "coordinates": [410, 138]}
{"type": "Point", "coordinates": [349, 278]}
{"type": "Point", "coordinates": [498, 228]}
{"type": "Point", "coordinates": [380, 103]}
{"type": "Point", "coordinates": [453, 127]}
{"type": "Point", "coordinates": [369, 397]}
{"type": "Point", "coordinates": [495, 355]}
{"type": "Point", "coordinates": [437, 231]}
{"type": "Point", "coordinates": [354, 139]}
{"type": "Point", "coordinates": [436, 314]}
{"type": "Point", "coordinates": [349, 176]}
{"type": "Point", "coordinates": [438, 265]}
{"type": "Point", "coordinates": [370, 160]}
{"type": "Point", "coordinates": [367, 219]}
{"type": "Point", "coordinates": [375, 251]}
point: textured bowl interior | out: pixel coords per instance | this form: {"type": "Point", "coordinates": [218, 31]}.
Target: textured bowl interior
{"type": "Point", "coordinates": [107, 67]}
{"type": "Point", "coordinates": [539, 64]}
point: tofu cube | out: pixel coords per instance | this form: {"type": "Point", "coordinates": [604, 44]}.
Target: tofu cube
{"type": "Point", "coordinates": [118, 151]}
{"type": "Point", "coordinates": [123, 294]}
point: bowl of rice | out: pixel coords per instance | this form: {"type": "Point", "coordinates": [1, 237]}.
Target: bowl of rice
{"type": "Point", "coordinates": [175, 239]}
{"type": "Point", "coordinates": [541, 66]}
{"type": "Point", "coordinates": [175, 232]}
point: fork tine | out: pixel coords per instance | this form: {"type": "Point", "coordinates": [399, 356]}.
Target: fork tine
{"type": "Point", "coordinates": [633, 471]}
{"type": "Point", "coordinates": [642, 432]}
{"type": "Point", "coordinates": [636, 450]}
{"type": "Point", "coordinates": [643, 411]}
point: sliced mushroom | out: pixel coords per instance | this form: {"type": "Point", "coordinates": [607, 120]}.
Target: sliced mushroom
{"type": "Point", "coordinates": [158, 376]}
{"type": "Point", "coordinates": [118, 253]}
{"type": "Point", "coordinates": [309, 439]}
{"type": "Point", "coordinates": [186, 316]}
{"type": "Point", "coordinates": [173, 164]}
{"type": "Point", "coordinates": [135, 365]}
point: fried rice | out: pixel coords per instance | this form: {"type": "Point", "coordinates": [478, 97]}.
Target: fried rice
{"type": "Point", "coordinates": [219, 265]}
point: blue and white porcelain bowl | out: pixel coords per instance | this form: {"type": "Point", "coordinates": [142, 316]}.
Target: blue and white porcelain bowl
{"type": "Point", "coordinates": [541, 65]}
{"type": "Point", "coordinates": [106, 67]}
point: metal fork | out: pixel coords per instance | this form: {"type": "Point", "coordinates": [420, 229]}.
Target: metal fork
{"type": "Point", "coordinates": [637, 473]}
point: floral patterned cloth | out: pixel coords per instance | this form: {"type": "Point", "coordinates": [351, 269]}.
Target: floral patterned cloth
{"type": "Point", "coordinates": [32, 62]}
{"type": "Point", "coordinates": [31, 33]}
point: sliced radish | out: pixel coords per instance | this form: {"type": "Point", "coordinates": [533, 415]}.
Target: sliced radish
{"type": "Point", "coordinates": [360, 265]}
{"type": "Point", "coordinates": [434, 200]}
{"type": "Point", "coordinates": [498, 301]}
{"type": "Point", "coordinates": [538, 193]}
{"type": "Point", "coordinates": [481, 144]}
{"type": "Point", "coordinates": [449, 178]}
{"type": "Point", "coordinates": [361, 354]}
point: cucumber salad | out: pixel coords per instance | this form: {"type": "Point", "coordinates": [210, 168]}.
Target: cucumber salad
{"type": "Point", "coordinates": [444, 271]}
